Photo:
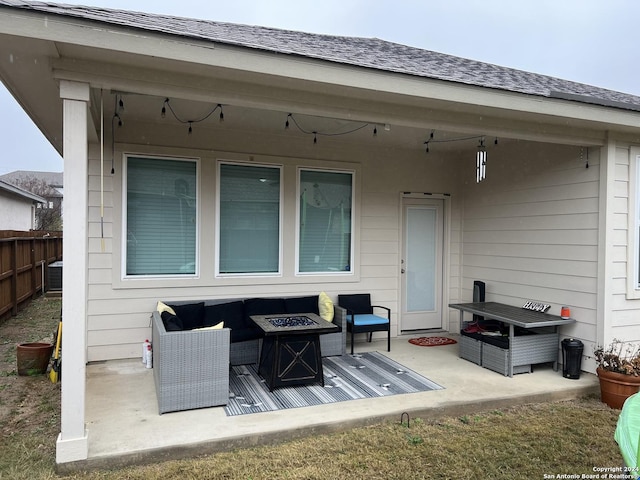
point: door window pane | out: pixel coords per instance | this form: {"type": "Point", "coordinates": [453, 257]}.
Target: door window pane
{"type": "Point", "coordinates": [421, 259]}
{"type": "Point", "coordinates": [325, 221]}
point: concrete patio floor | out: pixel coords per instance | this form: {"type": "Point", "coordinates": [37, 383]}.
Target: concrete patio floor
{"type": "Point", "coordinates": [125, 428]}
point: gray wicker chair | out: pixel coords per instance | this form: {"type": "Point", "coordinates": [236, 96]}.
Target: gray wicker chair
{"type": "Point", "coordinates": [190, 368]}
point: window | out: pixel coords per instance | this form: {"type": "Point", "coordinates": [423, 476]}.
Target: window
{"type": "Point", "coordinates": [636, 222]}
{"type": "Point", "coordinates": [324, 241]}
{"type": "Point", "coordinates": [633, 219]}
{"type": "Point", "coordinates": [161, 216]}
{"type": "Point", "coordinates": [249, 219]}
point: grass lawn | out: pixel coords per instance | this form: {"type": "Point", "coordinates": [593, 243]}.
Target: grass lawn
{"type": "Point", "coordinates": [563, 438]}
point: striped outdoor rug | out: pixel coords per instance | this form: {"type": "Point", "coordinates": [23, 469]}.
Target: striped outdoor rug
{"type": "Point", "coordinates": [365, 375]}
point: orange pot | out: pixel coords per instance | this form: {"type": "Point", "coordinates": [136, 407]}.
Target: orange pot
{"type": "Point", "coordinates": [615, 387]}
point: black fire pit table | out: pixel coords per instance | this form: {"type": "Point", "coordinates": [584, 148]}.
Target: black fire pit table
{"type": "Point", "coordinates": [291, 348]}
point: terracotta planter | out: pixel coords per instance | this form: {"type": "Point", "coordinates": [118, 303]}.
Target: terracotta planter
{"type": "Point", "coordinates": [615, 387]}
{"type": "Point", "coordinates": [33, 358]}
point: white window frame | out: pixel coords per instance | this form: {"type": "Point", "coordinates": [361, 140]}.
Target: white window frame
{"type": "Point", "coordinates": [352, 271]}
{"type": "Point", "coordinates": [123, 266]}
{"type": "Point", "coordinates": [633, 220]}
{"type": "Point", "coordinates": [218, 274]}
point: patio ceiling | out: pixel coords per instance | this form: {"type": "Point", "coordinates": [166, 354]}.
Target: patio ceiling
{"type": "Point", "coordinates": [204, 119]}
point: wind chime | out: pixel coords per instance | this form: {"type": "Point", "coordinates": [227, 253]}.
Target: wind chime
{"type": "Point", "coordinates": [481, 162]}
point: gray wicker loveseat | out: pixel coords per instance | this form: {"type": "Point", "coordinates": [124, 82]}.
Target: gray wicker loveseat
{"type": "Point", "coordinates": [191, 359]}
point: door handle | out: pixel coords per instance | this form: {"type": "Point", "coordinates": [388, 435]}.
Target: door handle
{"type": "Point", "coordinates": [402, 270]}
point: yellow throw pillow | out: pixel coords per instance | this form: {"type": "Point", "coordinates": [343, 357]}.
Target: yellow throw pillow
{"type": "Point", "coordinates": [325, 307]}
{"type": "Point", "coordinates": [161, 307]}
{"type": "Point", "coordinates": [212, 327]}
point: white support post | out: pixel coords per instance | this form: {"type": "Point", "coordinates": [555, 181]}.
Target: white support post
{"type": "Point", "coordinates": [73, 444]}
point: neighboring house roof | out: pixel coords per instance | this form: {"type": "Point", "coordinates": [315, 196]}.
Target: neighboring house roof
{"type": "Point", "coordinates": [52, 179]}
{"type": "Point", "coordinates": [19, 192]}
{"type": "Point", "coordinates": [360, 52]}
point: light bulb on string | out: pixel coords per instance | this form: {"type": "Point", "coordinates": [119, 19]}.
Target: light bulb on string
{"type": "Point", "coordinates": [163, 113]}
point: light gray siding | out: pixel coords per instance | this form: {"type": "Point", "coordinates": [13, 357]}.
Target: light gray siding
{"type": "Point", "coordinates": [530, 231]}
{"type": "Point", "coordinates": [119, 310]}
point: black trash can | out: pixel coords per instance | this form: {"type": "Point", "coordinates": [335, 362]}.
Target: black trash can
{"type": "Point", "coordinates": [571, 358]}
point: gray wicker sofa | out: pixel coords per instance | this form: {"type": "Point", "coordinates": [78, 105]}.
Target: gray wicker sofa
{"type": "Point", "coordinates": [191, 362]}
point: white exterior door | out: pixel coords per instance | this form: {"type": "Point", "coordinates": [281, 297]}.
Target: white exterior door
{"type": "Point", "coordinates": [421, 268]}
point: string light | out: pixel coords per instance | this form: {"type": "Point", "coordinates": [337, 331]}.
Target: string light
{"type": "Point", "coordinates": [117, 105]}
{"type": "Point", "coordinates": [167, 106]}
{"type": "Point", "coordinates": [587, 163]}
{"type": "Point", "coordinates": [163, 114]}
{"type": "Point", "coordinates": [582, 157]}
{"type": "Point", "coordinates": [291, 120]}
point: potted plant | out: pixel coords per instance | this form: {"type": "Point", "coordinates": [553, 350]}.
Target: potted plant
{"type": "Point", "coordinates": [618, 371]}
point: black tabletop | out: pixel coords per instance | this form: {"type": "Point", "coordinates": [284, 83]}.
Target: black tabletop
{"type": "Point", "coordinates": [280, 324]}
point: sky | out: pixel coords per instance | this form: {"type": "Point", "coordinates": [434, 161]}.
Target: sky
{"type": "Point", "coordinates": [587, 41]}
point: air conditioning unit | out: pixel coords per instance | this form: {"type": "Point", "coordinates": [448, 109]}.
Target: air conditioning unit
{"type": "Point", "coordinates": [55, 276]}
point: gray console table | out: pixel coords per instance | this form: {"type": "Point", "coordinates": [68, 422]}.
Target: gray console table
{"type": "Point", "coordinates": [523, 351]}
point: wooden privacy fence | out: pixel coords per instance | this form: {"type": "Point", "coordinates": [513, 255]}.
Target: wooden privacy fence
{"type": "Point", "coordinates": [24, 257]}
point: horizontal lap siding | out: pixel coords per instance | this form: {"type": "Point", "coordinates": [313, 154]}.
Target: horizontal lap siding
{"type": "Point", "coordinates": [530, 232]}
{"type": "Point", "coordinates": [118, 317]}
{"type": "Point", "coordinates": [380, 249]}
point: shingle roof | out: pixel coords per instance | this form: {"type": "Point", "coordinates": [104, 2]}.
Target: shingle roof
{"type": "Point", "coordinates": [370, 53]}
{"type": "Point", "coordinates": [20, 192]}
{"type": "Point", "coordinates": [54, 180]}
